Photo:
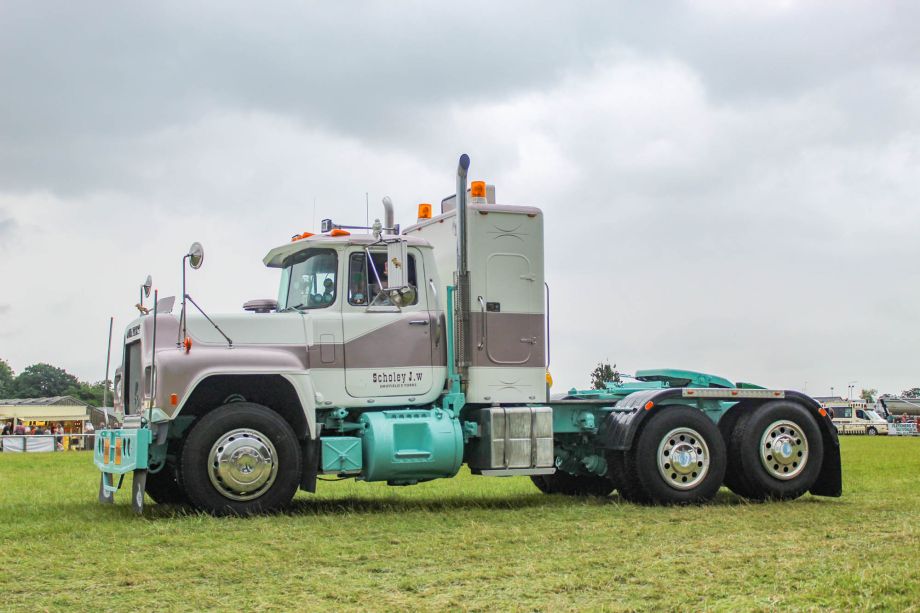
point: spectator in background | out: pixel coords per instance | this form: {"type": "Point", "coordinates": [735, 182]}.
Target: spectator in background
{"type": "Point", "coordinates": [19, 429]}
{"type": "Point", "coordinates": [7, 430]}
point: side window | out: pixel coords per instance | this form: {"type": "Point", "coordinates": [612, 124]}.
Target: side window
{"type": "Point", "coordinates": [312, 279]}
{"type": "Point", "coordinates": [845, 412]}
{"type": "Point", "coordinates": [357, 279]}
{"type": "Point", "coordinates": [365, 282]}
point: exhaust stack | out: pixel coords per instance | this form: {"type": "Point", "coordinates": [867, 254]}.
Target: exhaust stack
{"type": "Point", "coordinates": [462, 282]}
{"type": "Point", "coordinates": [389, 217]}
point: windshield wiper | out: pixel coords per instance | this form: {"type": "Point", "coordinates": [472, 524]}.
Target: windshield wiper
{"type": "Point", "coordinates": [296, 307]}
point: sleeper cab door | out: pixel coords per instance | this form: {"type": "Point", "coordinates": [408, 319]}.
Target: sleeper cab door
{"type": "Point", "coordinates": [511, 313]}
{"type": "Point", "coordinates": [387, 349]}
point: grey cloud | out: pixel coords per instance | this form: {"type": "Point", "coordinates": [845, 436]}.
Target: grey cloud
{"type": "Point", "coordinates": [7, 229]}
{"type": "Point", "coordinates": [383, 72]}
{"type": "Point", "coordinates": [730, 186]}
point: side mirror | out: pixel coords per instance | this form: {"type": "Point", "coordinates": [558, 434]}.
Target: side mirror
{"type": "Point", "coordinates": [196, 255]}
{"type": "Point", "coordinates": [397, 264]}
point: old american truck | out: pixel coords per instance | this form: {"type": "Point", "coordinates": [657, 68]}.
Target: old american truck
{"type": "Point", "coordinates": [400, 355]}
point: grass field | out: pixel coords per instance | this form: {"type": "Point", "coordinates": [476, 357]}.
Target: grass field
{"type": "Point", "coordinates": [467, 543]}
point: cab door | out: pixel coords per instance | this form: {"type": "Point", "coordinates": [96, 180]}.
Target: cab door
{"type": "Point", "coordinates": [387, 347]}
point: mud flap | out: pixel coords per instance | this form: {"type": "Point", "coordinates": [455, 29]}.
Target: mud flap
{"type": "Point", "coordinates": [106, 495]}
{"type": "Point", "coordinates": [138, 485]}
{"type": "Point", "coordinates": [310, 451]}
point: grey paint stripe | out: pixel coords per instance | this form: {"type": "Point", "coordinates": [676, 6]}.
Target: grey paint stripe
{"type": "Point", "coordinates": [503, 345]}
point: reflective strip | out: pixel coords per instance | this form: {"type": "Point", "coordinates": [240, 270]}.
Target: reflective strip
{"type": "Point", "coordinates": [105, 453]}
{"type": "Point", "coordinates": [118, 451]}
{"type": "Point", "coordinates": [731, 393]}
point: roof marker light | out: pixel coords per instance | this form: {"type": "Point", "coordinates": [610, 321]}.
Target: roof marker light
{"type": "Point", "coordinates": [424, 211]}
{"type": "Point", "coordinates": [478, 189]}
{"type": "Point", "coordinates": [339, 232]}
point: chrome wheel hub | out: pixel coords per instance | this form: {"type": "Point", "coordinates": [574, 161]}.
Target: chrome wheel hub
{"type": "Point", "coordinates": [683, 458]}
{"type": "Point", "coordinates": [242, 464]}
{"type": "Point", "coordinates": [783, 449]}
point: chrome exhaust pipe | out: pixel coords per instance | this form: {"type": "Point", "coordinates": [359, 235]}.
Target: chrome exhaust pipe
{"type": "Point", "coordinates": [389, 217]}
{"type": "Point", "coordinates": [462, 282]}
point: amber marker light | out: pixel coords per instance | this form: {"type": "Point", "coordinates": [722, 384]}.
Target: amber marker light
{"type": "Point", "coordinates": [478, 189]}
{"type": "Point", "coordinates": [424, 211]}
{"type": "Point", "coordinates": [174, 399]}
{"type": "Point", "coordinates": [188, 344]}
{"type": "Point", "coordinates": [339, 232]}
{"type": "Point", "coordinates": [649, 405]}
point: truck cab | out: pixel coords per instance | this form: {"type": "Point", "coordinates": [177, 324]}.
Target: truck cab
{"type": "Point", "coordinates": [363, 344]}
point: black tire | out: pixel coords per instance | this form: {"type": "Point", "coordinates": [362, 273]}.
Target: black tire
{"type": "Point", "coordinates": [871, 431]}
{"type": "Point", "coordinates": [164, 488]}
{"type": "Point", "coordinates": [247, 424]}
{"type": "Point", "coordinates": [679, 429]}
{"type": "Point", "coordinates": [733, 478]}
{"type": "Point", "coordinates": [754, 479]}
{"type": "Point", "coordinates": [627, 481]}
{"type": "Point", "coordinates": [573, 485]}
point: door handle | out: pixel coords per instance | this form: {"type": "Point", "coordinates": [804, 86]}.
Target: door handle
{"type": "Point", "coordinates": [418, 322]}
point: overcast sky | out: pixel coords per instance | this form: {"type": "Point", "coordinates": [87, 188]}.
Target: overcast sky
{"type": "Point", "coordinates": [729, 186]}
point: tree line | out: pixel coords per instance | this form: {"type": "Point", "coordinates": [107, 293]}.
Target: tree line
{"type": "Point", "coordinates": [43, 380]}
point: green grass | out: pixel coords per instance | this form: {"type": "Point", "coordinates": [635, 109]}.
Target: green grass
{"type": "Point", "coordinates": [466, 543]}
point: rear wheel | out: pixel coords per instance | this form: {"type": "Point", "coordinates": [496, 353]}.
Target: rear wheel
{"type": "Point", "coordinates": [678, 458]}
{"type": "Point", "coordinates": [240, 459]}
{"type": "Point", "coordinates": [573, 485]}
{"type": "Point", "coordinates": [776, 451]}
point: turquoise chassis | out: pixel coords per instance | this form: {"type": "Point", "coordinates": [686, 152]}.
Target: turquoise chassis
{"type": "Point", "coordinates": [588, 426]}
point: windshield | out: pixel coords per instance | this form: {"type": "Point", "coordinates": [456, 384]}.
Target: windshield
{"type": "Point", "coordinates": [874, 416]}
{"type": "Point", "coordinates": [308, 280]}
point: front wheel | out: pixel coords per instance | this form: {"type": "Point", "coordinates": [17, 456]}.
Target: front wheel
{"type": "Point", "coordinates": [871, 431]}
{"type": "Point", "coordinates": [240, 459]}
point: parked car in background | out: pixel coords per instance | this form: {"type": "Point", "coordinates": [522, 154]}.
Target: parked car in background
{"type": "Point", "coordinates": [853, 420]}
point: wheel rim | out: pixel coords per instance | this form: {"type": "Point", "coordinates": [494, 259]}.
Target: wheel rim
{"type": "Point", "coordinates": [683, 458]}
{"type": "Point", "coordinates": [242, 464]}
{"type": "Point", "coordinates": [784, 449]}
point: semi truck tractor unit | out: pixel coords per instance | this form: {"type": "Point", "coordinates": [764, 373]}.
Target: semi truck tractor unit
{"type": "Point", "coordinates": [401, 354]}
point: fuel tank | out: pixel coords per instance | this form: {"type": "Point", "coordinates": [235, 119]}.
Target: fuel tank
{"type": "Point", "coordinates": [404, 447]}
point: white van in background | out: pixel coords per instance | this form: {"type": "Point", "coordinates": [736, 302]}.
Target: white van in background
{"type": "Point", "coordinates": [857, 420]}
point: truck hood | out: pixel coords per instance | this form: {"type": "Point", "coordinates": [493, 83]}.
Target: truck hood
{"type": "Point", "coordinates": [249, 328]}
